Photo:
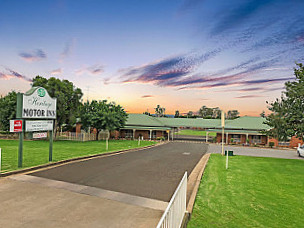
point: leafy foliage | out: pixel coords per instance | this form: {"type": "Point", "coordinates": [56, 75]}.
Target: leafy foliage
{"type": "Point", "coordinates": [103, 116]}
{"type": "Point", "coordinates": [160, 111]}
{"type": "Point", "coordinates": [68, 98]}
{"type": "Point", "coordinates": [287, 117]}
{"type": "Point", "coordinates": [8, 105]}
{"type": "Point", "coordinates": [233, 114]}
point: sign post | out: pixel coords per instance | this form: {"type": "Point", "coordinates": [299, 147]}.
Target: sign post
{"type": "Point", "coordinates": [0, 160]}
{"type": "Point", "coordinates": [51, 146]}
{"type": "Point", "coordinates": [223, 126]}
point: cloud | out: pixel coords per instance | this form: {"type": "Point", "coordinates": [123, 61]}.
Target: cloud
{"type": "Point", "coordinates": [13, 74]}
{"type": "Point", "coordinates": [201, 78]}
{"type": "Point", "coordinates": [248, 96]}
{"type": "Point", "coordinates": [56, 71]}
{"type": "Point", "coordinates": [96, 69]}
{"type": "Point", "coordinates": [168, 69]}
{"type": "Point", "coordinates": [68, 48]}
{"type": "Point", "coordinates": [33, 56]}
{"type": "Point", "coordinates": [93, 70]}
{"type": "Point", "coordinates": [147, 96]}
{"type": "Point", "coordinates": [239, 83]}
{"type": "Point", "coordinates": [239, 14]}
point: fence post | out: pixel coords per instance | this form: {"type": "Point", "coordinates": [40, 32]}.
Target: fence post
{"type": "Point", "coordinates": [0, 160]}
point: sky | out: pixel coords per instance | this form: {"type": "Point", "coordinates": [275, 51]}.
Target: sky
{"type": "Point", "coordinates": [181, 54]}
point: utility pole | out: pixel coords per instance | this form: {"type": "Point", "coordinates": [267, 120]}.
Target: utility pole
{"type": "Point", "coordinates": [88, 91]}
{"type": "Point", "coordinates": [223, 126]}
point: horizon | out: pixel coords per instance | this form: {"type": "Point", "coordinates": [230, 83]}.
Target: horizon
{"type": "Point", "coordinates": [180, 55]}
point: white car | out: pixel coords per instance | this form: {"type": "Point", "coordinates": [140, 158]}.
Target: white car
{"type": "Point", "coordinates": [301, 150]}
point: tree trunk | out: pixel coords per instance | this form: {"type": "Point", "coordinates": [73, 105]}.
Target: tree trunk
{"type": "Point", "coordinates": [97, 133]}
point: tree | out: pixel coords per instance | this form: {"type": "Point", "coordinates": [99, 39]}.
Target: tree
{"type": "Point", "coordinates": [147, 113]}
{"type": "Point", "coordinates": [190, 114]}
{"type": "Point", "coordinates": [68, 99]}
{"type": "Point", "coordinates": [277, 121]}
{"type": "Point", "coordinates": [8, 106]}
{"type": "Point", "coordinates": [176, 114]}
{"type": "Point", "coordinates": [288, 112]}
{"type": "Point", "coordinates": [216, 113]}
{"type": "Point", "coordinates": [103, 116]}
{"type": "Point", "coordinates": [205, 112]}
{"type": "Point", "coordinates": [160, 111]}
{"type": "Point", "coordinates": [233, 114]}
{"type": "Point", "coordinates": [262, 114]}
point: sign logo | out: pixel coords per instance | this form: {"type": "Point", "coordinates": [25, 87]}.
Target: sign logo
{"type": "Point", "coordinates": [41, 92]}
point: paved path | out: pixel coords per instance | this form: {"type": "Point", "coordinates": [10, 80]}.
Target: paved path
{"type": "Point", "coordinates": [125, 190]}
{"type": "Point", "coordinates": [256, 151]}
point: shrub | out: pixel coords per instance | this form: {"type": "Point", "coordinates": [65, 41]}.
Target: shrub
{"type": "Point", "coordinates": [271, 144]}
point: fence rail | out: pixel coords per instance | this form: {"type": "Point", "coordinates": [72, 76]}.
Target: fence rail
{"type": "Point", "coordinates": [174, 213]}
{"type": "Point", "coordinates": [83, 137]}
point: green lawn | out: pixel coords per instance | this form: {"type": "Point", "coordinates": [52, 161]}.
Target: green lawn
{"type": "Point", "coordinates": [195, 133]}
{"type": "Point", "coordinates": [254, 192]}
{"type": "Point", "coordinates": [36, 152]}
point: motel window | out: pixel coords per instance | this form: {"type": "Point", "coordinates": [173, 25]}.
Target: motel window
{"type": "Point", "coordinates": [284, 143]}
{"type": "Point", "coordinates": [129, 133]}
{"type": "Point", "coordinates": [256, 139]}
{"type": "Point", "coordinates": [153, 134]}
{"type": "Point", "coordinates": [236, 138]}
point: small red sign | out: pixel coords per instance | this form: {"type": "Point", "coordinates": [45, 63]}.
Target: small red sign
{"type": "Point", "coordinates": [16, 125]}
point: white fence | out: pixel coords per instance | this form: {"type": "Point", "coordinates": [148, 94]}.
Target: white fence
{"type": "Point", "coordinates": [83, 137]}
{"type": "Point", "coordinates": [175, 212]}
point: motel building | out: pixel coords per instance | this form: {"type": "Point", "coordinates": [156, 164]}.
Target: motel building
{"type": "Point", "coordinates": [144, 127]}
{"type": "Point", "coordinates": [246, 130]}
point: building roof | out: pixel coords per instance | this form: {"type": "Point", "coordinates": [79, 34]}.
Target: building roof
{"type": "Point", "coordinates": [250, 132]}
{"type": "Point", "coordinates": [247, 123]}
{"type": "Point", "coordinates": [190, 122]}
{"type": "Point", "coordinates": [143, 120]}
{"type": "Point", "coordinates": [146, 128]}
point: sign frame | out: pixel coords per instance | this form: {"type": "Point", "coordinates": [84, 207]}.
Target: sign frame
{"type": "Point", "coordinates": [46, 109]}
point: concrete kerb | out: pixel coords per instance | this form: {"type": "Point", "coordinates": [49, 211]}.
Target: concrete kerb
{"type": "Point", "coordinates": [193, 185]}
{"type": "Point", "coordinates": [72, 160]}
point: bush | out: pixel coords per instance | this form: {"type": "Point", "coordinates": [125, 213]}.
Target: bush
{"type": "Point", "coordinates": [161, 138]}
{"type": "Point", "coordinates": [271, 144]}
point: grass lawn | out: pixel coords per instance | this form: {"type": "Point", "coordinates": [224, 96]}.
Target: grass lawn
{"type": "Point", "coordinates": [253, 192]}
{"type": "Point", "coordinates": [195, 132]}
{"type": "Point", "coordinates": [37, 152]}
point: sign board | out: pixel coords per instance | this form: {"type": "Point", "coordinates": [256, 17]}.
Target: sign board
{"type": "Point", "coordinates": [16, 125]}
{"type": "Point", "coordinates": [39, 135]}
{"type": "Point", "coordinates": [38, 104]}
{"type": "Point", "coordinates": [38, 125]}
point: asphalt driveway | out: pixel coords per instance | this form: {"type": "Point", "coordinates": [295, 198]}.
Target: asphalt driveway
{"type": "Point", "coordinates": [124, 190]}
{"type": "Point", "coordinates": [256, 151]}
{"type": "Point", "coordinates": [152, 173]}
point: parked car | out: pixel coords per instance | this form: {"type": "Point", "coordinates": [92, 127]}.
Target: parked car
{"type": "Point", "coordinates": [300, 150]}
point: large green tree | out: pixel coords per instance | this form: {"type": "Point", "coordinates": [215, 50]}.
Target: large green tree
{"type": "Point", "coordinates": [103, 116]}
{"type": "Point", "coordinates": [287, 118]}
{"type": "Point", "coordinates": [7, 110]}
{"type": "Point", "coordinates": [68, 99]}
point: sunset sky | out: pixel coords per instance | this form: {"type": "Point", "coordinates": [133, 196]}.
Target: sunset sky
{"type": "Point", "coordinates": [233, 54]}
